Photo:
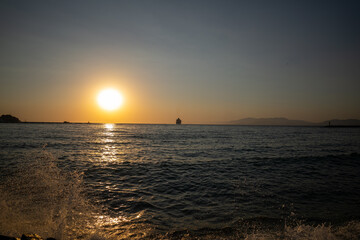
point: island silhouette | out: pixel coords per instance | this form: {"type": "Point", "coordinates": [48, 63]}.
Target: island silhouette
{"type": "Point", "coordinates": [7, 118]}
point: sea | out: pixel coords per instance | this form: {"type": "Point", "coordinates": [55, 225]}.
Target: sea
{"type": "Point", "coordinates": [138, 181]}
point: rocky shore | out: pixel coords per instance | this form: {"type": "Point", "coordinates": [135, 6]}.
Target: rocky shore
{"type": "Point", "coordinates": [25, 237]}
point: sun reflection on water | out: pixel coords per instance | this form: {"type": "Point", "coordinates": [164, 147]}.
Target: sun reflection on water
{"type": "Point", "coordinates": [107, 220]}
{"type": "Point", "coordinates": [123, 227]}
{"type": "Point", "coordinates": [109, 126]}
{"type": "Point", "coordinates": [109, 150]}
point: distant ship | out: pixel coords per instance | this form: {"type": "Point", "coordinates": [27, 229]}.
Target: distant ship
{"type": "Point", "coordinates": [178, 121]}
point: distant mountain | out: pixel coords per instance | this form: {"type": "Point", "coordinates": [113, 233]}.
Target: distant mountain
{"type": "Point", "coordinates": [270, 121]}
{"type": "Point", "coordinates": [346, 122]}
{"type": "Point", "coordinates": [287, 122]}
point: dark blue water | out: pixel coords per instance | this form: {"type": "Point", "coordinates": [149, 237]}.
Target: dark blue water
{"type": "Point", "coordinates": [188, 181]}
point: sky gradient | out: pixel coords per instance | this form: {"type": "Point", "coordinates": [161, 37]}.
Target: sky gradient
{"type": "Point", "coordinates": [202, 61]}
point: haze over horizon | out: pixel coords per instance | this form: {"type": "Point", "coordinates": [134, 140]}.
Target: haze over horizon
{"type": "Point", "coordinates": [203, 61]}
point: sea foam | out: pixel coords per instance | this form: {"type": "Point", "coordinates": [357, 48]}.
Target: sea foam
{"type": "Point", "coordinates": [39, 197]}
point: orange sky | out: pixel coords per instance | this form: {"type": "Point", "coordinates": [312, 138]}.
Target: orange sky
{"type": "Point", "coordinates": [205, 63]}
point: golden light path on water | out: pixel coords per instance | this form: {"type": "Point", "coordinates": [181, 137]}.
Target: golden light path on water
{"type": "Point", "coordinates": [109, 150]}
{"type": "Point", "coordinates": [109, 155]}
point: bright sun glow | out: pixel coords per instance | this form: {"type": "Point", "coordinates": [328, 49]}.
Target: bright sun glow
{"type": "Point", "coordinates": [110, 99]}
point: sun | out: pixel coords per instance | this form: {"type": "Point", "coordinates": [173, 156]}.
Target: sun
{"type": "Point", "coordinates": [110, 99]}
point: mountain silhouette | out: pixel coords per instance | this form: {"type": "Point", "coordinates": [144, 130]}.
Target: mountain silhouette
{"type": "Point", "coordinates": [280, 121]}
{"type": "Point", "coordinates": [271, 122]}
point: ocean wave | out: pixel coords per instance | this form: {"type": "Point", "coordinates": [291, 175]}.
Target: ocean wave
{"type": "Point", "coordinates": [269, 231]}
{"type": "Point", "coordinates": [42, 198]}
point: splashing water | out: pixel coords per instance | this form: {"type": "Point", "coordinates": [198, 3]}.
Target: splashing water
{"type": "Point", "coordinates": [39, 197]}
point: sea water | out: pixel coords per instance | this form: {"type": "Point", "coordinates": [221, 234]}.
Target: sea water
{"type": "Point", "coordinates": [114, 181]}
